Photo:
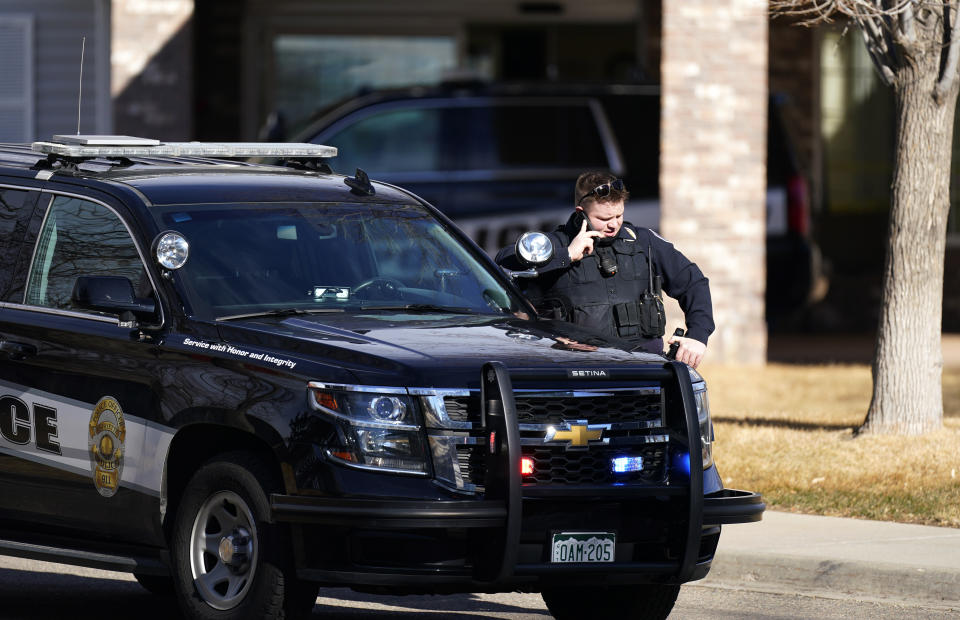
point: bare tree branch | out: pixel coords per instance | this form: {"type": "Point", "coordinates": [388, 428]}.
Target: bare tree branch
{"type": "Point", "coordinates": [824, 10]}
{"type": "Point", "coordinates": [809, 12]}
{"type": "Point", "coordinates": [889, 27]}
{"type": "Point", "coordinates": [907, 28]}
{"type": "Point", "coordinates": [891, 24]}
{"type": "Point", "coordinates": [950, 69]}
{"type": "Point", "coordinates": [874, 40]}
{"type": "Point", "coordinates": [881, 48]}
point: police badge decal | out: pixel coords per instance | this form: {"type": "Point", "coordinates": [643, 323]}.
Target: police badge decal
{"type": "Point", "coordinates": [107, 432]}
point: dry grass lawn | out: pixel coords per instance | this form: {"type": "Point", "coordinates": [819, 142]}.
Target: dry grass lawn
{"type": "Point", "coordinates": [787, 432]}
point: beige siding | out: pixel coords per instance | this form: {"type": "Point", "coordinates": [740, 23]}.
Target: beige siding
{"type": "Point", "coordinates": [58, 30]}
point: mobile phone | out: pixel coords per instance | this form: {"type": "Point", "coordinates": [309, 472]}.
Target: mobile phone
{"type": "Point", "coordinates": [578, 219]}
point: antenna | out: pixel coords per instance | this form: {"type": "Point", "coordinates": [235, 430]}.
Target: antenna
{"type": "Point", "coordinates": [83, 46]}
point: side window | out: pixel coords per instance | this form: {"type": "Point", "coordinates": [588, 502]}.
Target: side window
{"type": "Point", "coordinates": [399, 140]}
{"type": "Point", "coordinates": [538, 136]}
{"type": "Point", "coordinates": [80, 238]}
{"type": "Point", "coordinates": [16, 207]}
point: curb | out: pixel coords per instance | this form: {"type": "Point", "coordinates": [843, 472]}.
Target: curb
{"type": "Point", "coordinates": [883, 581]}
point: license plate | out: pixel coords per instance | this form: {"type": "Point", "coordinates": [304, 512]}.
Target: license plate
{"type": "Point", "coordinates": [587, 547]}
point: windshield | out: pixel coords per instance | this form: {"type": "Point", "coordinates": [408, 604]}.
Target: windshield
{"type": "Point", "coordinates": [280, 258]}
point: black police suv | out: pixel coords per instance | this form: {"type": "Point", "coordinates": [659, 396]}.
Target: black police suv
{"type": "Point", "coordinates": [243, 382]}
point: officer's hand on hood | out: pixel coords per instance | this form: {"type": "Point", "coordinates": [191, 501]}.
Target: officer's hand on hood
{"type": "Point", "coordinates": [690, 352]}
{"type": "Point", "coordinates": [582, 244]}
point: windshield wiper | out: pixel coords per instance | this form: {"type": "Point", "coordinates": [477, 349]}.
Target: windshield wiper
{"type": "Point", "coordinates": [423, 308]}
{"type": "Point", "coordinates": [279, 313]}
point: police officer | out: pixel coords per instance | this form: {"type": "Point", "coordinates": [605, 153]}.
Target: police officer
{"type": "Point", "coordinates": [607, 275]}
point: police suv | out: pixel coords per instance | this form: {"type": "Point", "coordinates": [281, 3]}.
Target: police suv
{"type": "Point", "coordinates": [243, 382]}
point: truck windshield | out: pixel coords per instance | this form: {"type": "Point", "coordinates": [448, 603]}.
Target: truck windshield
{"type": "Point", "coordinates": [283, 259]}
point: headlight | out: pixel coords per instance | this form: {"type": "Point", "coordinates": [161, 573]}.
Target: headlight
{"type": "Point", "coordinates": [378, 429]}
{"type": "Point", "coordinates": [706, 425]}
{"type": "Point", "coordinates": [387, 409]}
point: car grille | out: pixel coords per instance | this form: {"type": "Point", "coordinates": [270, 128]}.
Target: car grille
{"type": "Point", "coordinates": [557, 466]}
{"type": "Point", "coordinates": [472, 461]}
{"type": "Point", "coordinates": [458, 408]}
{"type": "Point", "coordinates": [599, 410]}
{"type": "Point", "coordinates": [603, 409]}
{"type": "Point", "coordinates": [630, 419]}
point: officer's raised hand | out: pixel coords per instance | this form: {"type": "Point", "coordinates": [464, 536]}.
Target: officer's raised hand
{"type": "Point", "coordinates": [582, 244]}
{"type": "Point", "coordinates": [690, 351]}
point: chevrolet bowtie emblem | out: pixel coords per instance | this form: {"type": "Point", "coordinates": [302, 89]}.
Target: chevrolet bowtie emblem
{"type": "Point", "coordinates": [579, 434]}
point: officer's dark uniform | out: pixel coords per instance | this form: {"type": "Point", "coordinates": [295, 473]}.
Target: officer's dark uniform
{"type": "Point", "coordinates": [578, 292]}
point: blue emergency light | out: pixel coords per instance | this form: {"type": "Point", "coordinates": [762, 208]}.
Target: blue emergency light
{"type": "Point", "coordinates": [626, 464]}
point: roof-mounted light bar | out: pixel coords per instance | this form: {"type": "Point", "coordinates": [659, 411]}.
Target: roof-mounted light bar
{"type": "Point", "coordinates": [87, 146]}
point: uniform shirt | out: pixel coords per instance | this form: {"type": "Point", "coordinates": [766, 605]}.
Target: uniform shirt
{"type": "Point", "coordinates": [588, 297]}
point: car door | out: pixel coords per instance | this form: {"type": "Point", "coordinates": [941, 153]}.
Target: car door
{"type": "Point", "coordinates": [77, 387]}
{"type": "Point", "coordinates": [17, 204]}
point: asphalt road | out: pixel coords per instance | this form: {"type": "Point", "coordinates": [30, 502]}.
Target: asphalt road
{"type": "Point", "coordinates": [37, 590]}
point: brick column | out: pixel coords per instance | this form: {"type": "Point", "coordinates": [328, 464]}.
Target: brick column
{"type": "Point", "coordinates": [713, 160]}
{"type": "Point", "coordinates": [151, 68]}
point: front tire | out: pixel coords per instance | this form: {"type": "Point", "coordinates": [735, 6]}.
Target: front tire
{"type": "Point", "coordinates": [229, 561]}
{"type": "Point", "coordinates": [634, 602]}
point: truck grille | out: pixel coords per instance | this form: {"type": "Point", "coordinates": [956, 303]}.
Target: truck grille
{"type": "Point", "coordinates": [458, 408]}
{"type": "Point", "coordinates": [630, 416]}
{"type": "Point", "coordinates": [472, 462]}
{"type": "Point", "coordinates": [597, 409]}
{"type": "Point", "coordinates": [604, 408]}
{"type": "Point", "coordinates": [556, 466]}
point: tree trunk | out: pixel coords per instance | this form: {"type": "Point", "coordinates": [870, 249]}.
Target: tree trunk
{"type": "Point", "coordinates": [908, 359]}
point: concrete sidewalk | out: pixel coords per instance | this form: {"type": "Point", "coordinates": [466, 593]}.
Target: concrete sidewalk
{"type": "Point", "coordinates": [866, 559]}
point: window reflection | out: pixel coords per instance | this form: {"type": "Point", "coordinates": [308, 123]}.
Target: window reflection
{"type": "Point", "coordinates": [313, 71]}
{"type": "Point", "coordinates": [81, 238]}
{"type": "Point", "coordinates": [251, 258]}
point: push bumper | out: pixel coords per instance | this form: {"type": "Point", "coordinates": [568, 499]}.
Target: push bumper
{"type": "Point", "coordinates": [732, 506]}
{"type": "Point", "coordinates": [721, 508]}
{"type": "Point", "coordinates": [493, 544]}
{"type": "Point", "coordinates": [389, 514]}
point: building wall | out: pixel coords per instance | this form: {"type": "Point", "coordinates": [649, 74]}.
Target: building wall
{"type": "Point", "coordinates": [458, 19]}
{"type": "Point", "coordinates": [152, 75]}
{"type": "Point", "coordinates": [57, 31]}
{"type": "Point", "coordinates": [713, 154]}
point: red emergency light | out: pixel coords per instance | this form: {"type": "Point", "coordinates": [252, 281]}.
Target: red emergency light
{"type": "Point", "coordinates": [526, 466]}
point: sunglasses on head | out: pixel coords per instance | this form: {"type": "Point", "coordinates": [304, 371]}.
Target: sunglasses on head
{"type": "Point", "coordinates": [602, 191]}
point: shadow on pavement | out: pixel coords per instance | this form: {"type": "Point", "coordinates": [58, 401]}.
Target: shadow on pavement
{"type": "Point", "coordinates": [32, 595]}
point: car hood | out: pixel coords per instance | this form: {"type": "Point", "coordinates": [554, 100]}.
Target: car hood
{"type": "Point", "coordinates": [425, 350]}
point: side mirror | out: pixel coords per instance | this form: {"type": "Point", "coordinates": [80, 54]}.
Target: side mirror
{"type": "Point", "coordinates": [534, 248]}
{"type": "Point", "coordinates": [113, 294]}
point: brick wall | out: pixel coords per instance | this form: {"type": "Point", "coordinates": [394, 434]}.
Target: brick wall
{"type": "Point", "coordinates": [712, 174]}
{"type": "Point", "coordinates": [151, 68]}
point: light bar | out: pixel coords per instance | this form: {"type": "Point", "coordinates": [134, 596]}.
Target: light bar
{"type": "Point", "coordinates": [129, 146]}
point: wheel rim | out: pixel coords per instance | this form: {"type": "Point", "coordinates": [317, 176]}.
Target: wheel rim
{"type": "Point", "coordinates": [223, 550]}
